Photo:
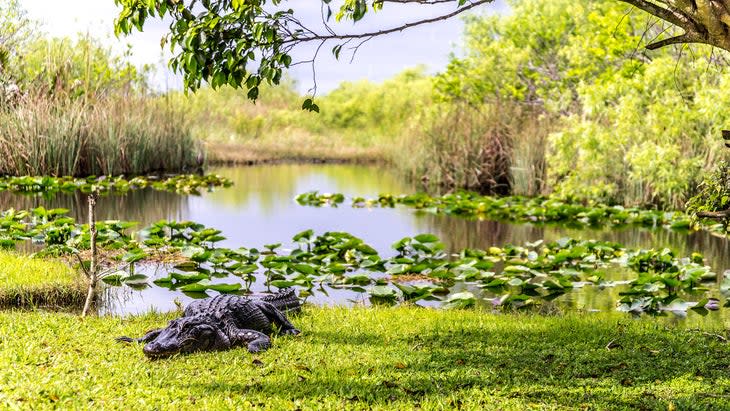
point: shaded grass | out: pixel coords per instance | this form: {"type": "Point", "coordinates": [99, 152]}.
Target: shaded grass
{"type": "Point", "coordinates": [400, 358]}
{"type": "Point", "coordinates": [34, 282]}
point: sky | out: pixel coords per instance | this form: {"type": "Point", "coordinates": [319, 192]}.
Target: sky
{"type": "Point", "coordinates": [378, 59]}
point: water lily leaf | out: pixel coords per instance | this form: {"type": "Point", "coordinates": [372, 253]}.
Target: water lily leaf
{"type": "Point", "coordinates": [484, 265]}
{"type": "Point", "coordinates": [201, 257]}
{"type": "Point", "coordinates": [272, 247]}
{"type": "Point", "coordinates": [426, 238]}
{"type": "Point", "coordinates": [283, 283]}
{"type": "Point", "coordinates": [516, 269]}
{"type": "Point", "coordinates": [304, 235]}
{"type": "Point", "coordinates": [336, 268]}
{"type": "Point", "coordinates": [187, 266]}
{"type": "Point", "coordinates": [515, 282]}
{"type": "Point", "coordinates": [225, 288]}
{"type": "Point", "coordinates": [163, 280]}
{"type": "Point", "coordinates": [382, 291]}
{"type": "Point", "coordinates": [366, 249]}
{"type": "Point", "coordinates": [114, 279]}
{"type": "Point", "coordinates": [189, 278]}
{"type": "Point", "coordinates": [305, 269]}
{"type": "Point", "coordinates": [552, 285]}
{"type": "Point", "coordinates": [398, 269]}
{"type": "Point", "coordinates": [196, 294]}
{"type": "Point", "coordinates": [358, 279]}
{"type": "Point", "coordinates": [134, 256]}
{"type": "Point", "coordinates": [497, 282]}
{"type": "Point", "coordinates": [134, 279]}
{"type": "Point", "coordinates": [415, 292]}
{"type": "Point", "coordinates": [200, 286]}
{"type": "Point", "coordinates": [189, 251]}
{"type": "Point", "coordinates": [460, 300]}
{"type": "Point", "coordinates": [245, 269]}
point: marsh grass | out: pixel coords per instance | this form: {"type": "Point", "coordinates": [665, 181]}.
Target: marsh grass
{"type": "Point", "coordinates": [497, 148]}
{"type": "Point", "coordinates": [117, 134]}
{"type": "Point", "coordinates": [377, 358]}
{"type": "Point", "coordinates": [33, 282]}
{"type": "Point", "coordinates": [358, 122]}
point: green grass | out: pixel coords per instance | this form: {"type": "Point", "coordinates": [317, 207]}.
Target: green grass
{"type": "Point", "coordinates": [381, 358]}
{"type": "Point", "coordinates": [32, 282]}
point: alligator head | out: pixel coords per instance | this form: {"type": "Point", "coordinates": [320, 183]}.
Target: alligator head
{"type": "Point", "coordinates": [187, 334]}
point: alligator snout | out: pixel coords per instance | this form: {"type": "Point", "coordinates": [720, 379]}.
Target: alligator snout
{"type": "Point", "coordinates": [155, 350]}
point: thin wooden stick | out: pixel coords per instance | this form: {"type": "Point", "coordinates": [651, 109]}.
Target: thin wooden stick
{"type": "Point", "coordinates": [93, 277]}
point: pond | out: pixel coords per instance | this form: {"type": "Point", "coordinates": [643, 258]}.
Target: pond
{"type": "Point", "coordinates": [260, 209]}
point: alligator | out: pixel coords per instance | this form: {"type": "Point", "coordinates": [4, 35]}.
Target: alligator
{"type": "Point", "coordinates": [223, 322]}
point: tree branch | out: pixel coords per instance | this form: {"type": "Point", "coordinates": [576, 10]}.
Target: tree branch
{"type": "Point", "coordinates": [670, 15]}
{"type": "Point", "coordinates": [715, 215]}
{"type": "Point", "coordinates": [405, 26]}
{"type": "Point", "coordinates": [682, 39]}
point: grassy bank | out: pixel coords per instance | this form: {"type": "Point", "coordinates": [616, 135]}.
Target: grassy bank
{"type": "Point", "coordinates": [401, 358]}
{"type": "Point", "coordinates": [358, 122]}
{"type": "Point", "coordinates": [295, 149]}
{"type": "Point", "coordinates": [35, 282]}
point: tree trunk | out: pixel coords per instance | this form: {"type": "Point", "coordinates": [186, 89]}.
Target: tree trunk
{"type": "Point", "coordinates": [703, 21]}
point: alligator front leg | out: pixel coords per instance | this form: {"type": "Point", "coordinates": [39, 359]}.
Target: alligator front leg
{"type": "Point", "coordinates": [255, 341]}
{"type": "Point", "coordinates": [278, 318]}
{"type": "Point", "coordinates": [151, 335]}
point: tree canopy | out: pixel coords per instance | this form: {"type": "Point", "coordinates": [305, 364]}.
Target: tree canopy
{"type": "Point", "coordinates": [243, 43]}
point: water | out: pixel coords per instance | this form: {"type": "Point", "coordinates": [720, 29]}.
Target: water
{"type": "Point", "coordinates": [260, 209]}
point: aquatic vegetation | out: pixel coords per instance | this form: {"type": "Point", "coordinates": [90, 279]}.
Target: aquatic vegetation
{"type": "Point", "coordinates": [535, 210]}
{"type": "Point", "coordinates": [510, 277]}
{"type": "Point", "coordinates": [313, 198]}
{"type": "Point", "coordinates": [507, 278]}
{"type": "Point", "coordinates": [181, 184]}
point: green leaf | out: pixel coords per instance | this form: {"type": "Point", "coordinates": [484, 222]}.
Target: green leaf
{"type": "Point", "coordinates": [135, 279]}
{"type": "Point", "coordinates": [305, 269]}
{"type": "Point", "coordinates": [426, 238]}
{"type": "Point", "coordinates": [382, 291]}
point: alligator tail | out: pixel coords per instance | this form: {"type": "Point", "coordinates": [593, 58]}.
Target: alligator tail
{"type": "Point", "coordinates": [285, 300]}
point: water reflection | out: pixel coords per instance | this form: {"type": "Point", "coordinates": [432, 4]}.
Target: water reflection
{"type": "Point", "coordinates": [144, 206]}
{"type": "Point", "coordinates": [260, 209]}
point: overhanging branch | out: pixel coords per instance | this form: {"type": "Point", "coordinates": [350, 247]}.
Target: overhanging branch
{"type": "Point", "coordinates": [332, 36]}
{"type": "Point", "coordinates": [673, 16]}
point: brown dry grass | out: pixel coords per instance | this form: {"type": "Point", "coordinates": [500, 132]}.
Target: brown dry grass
{"type": "Point", "coordinates": [285, 151]}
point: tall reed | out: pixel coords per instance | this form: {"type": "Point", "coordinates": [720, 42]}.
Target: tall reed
{"type": "Point", "coordinates": [110, 134]}
{"type": "Point", "coordinates": [497, 148]}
